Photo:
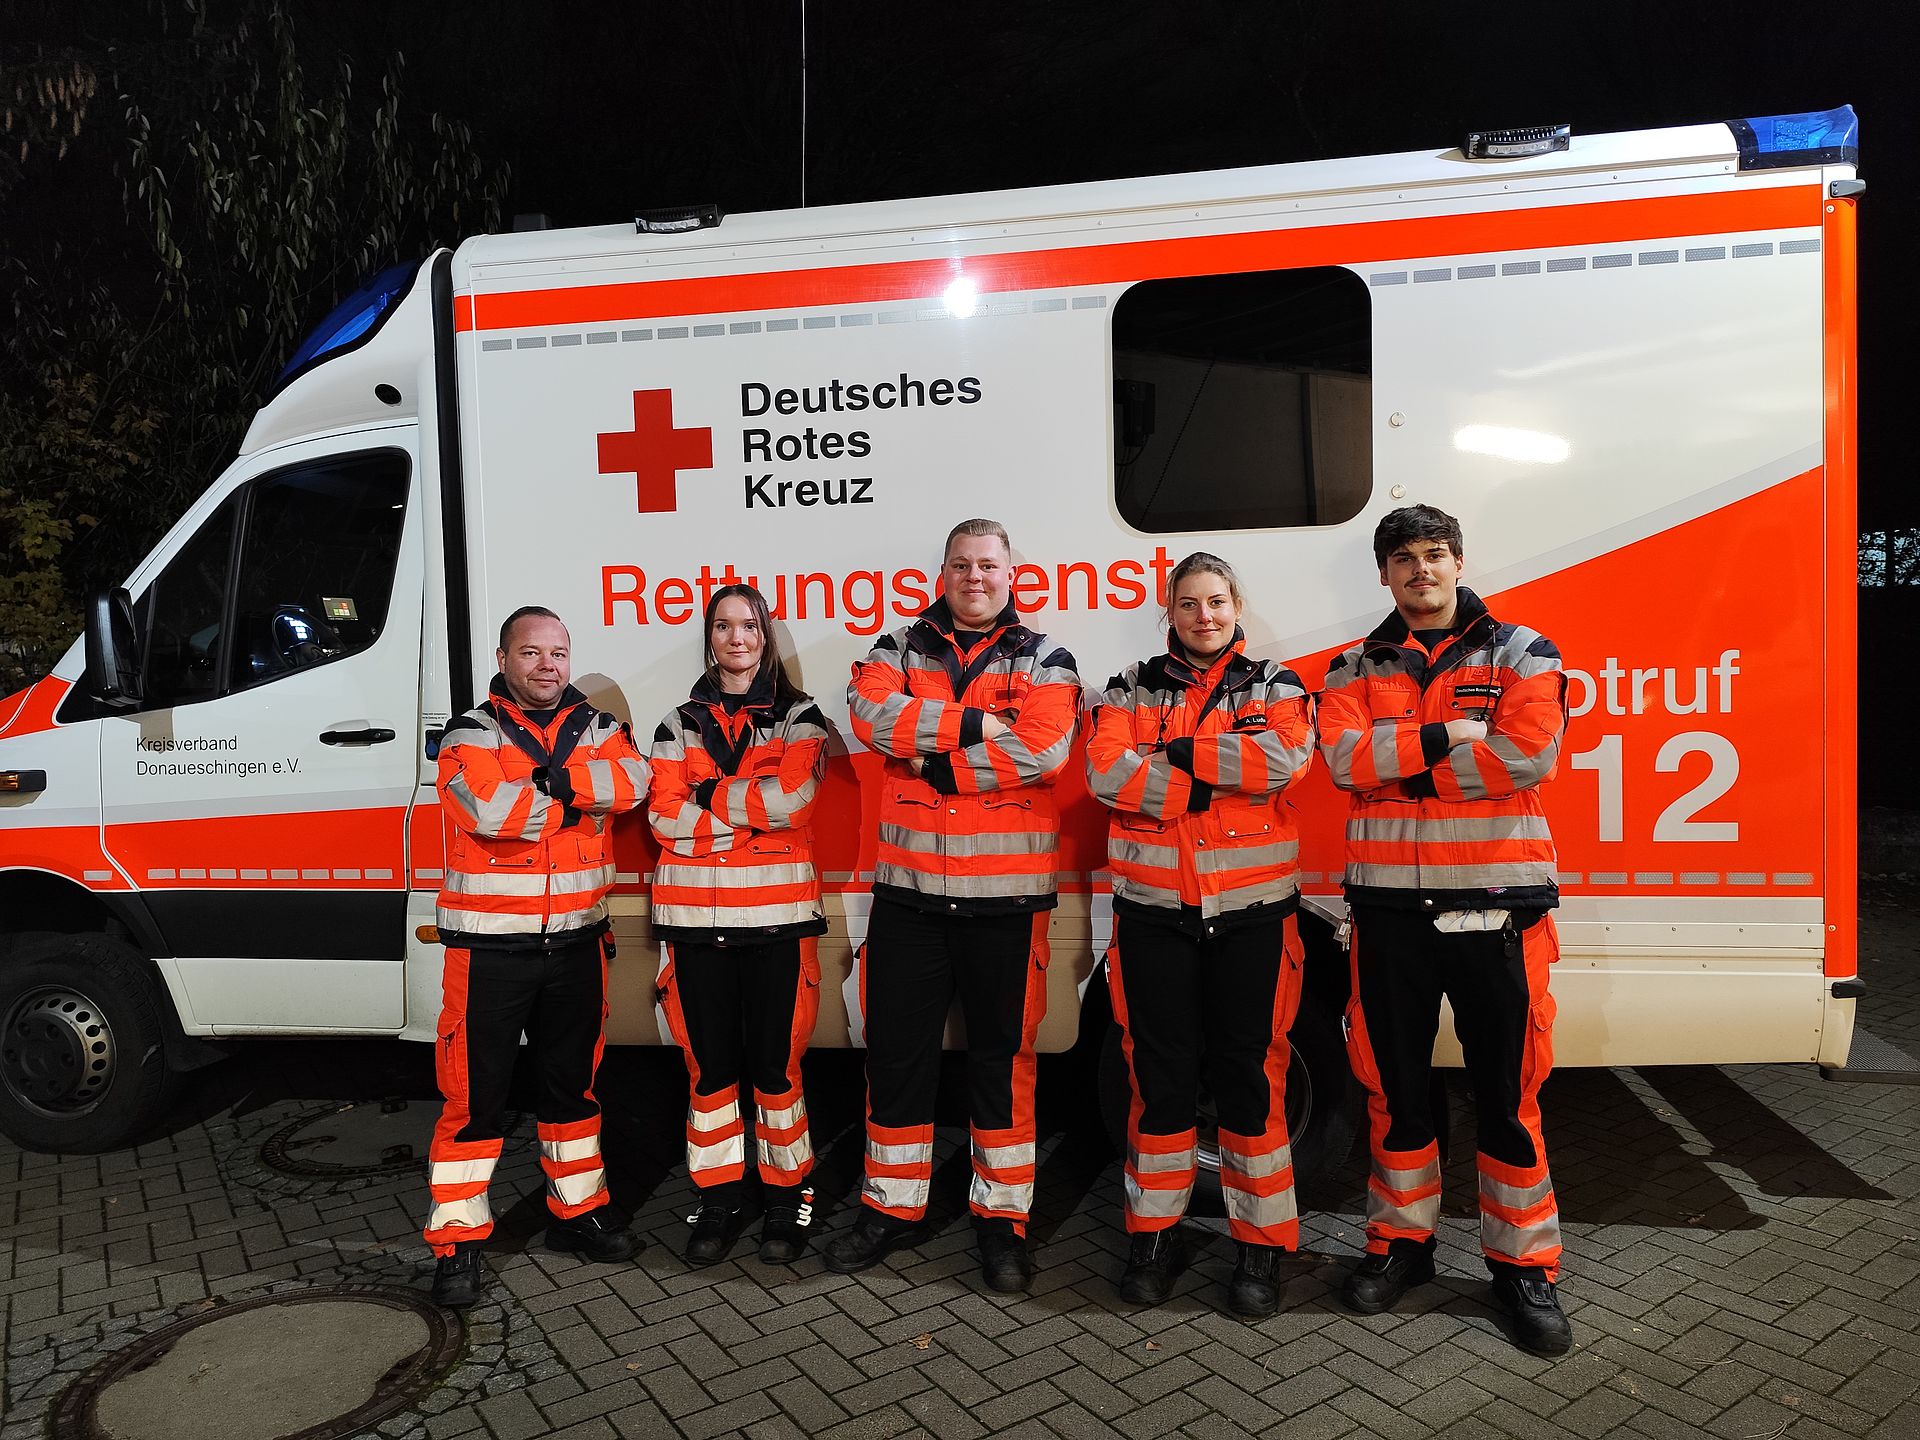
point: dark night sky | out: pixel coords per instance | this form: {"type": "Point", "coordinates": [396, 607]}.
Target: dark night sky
{"type": "Point", "coordinates": [599, 113]}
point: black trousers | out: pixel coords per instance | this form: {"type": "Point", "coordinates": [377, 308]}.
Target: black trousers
{"type": "Point", "coordinates": [914, 965]}
{"type": "Point", "coordinates": [489, 997]}
{"type": "Point", "coordinates": [745, 1012]}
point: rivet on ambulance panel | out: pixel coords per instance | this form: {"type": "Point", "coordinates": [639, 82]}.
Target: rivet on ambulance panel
{"type": "Point", "coordinates": [427, 934]}
{"type": "Point", "coordinates": [1396, 419]}
{"type": "Point", "coordinates": [1399, 492]}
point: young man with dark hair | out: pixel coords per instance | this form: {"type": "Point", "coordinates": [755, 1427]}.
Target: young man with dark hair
{"type": "Point", "coordinates": [1442, 724]}
{"type": "Point", "coordinates": [531, 780]}
{"type": "Point", "coordinates": [974, 716]}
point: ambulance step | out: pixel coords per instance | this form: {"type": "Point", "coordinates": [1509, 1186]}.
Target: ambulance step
{"type": "Point", "coordinates": [1876, 1061]}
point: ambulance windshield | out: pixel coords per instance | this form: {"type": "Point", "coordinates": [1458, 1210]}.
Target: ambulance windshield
{"type": "Point", "coordinates": [354, 321]}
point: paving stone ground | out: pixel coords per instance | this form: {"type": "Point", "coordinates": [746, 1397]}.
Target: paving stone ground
{"type": "Point", "coordinates": [1744, 1262]}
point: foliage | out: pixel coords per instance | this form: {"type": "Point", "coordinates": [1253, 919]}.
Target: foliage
{"type": "Point", "coordinates": [181, 207]}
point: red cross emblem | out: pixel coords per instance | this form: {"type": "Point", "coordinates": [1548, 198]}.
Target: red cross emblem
{"type": "Point", "coordinates": [654, 452]}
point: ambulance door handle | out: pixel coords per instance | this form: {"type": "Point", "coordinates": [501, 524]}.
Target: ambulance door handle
{"type": "Point", "coordinates": [372, 735]}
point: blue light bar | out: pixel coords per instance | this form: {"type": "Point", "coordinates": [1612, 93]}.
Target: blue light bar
{"type": "Point", "coordinates": [1818, 137]}
{"type": "Point", "coordinates": [354, 320]}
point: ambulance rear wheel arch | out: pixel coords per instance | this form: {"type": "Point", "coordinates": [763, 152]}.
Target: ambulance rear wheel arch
{"type": "Point", "coordinates": [83, 1052]}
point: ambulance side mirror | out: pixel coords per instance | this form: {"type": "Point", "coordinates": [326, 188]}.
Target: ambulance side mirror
{"type": "Point", "coordinates": [113, 656]}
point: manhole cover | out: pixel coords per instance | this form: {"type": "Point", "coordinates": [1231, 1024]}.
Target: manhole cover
{"type": "Point", "coordinates": [299, 1366]}
{"type": "Point", "coordinates": [373, 1137]}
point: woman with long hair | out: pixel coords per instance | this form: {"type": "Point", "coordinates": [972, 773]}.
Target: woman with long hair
{"type": "Point", "coordinates": [1192, 750]}
{"type": "Point", "coordinates": [736, 768]}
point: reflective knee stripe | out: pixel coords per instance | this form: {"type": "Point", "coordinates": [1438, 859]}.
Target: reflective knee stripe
{"type": "Point", "coordinates": [1519, 1223]}
{"type": "Point", "coordinates": [1002, 1175]}
{"type": "Point", "coordinates": [570, 1156]}
{"type": "Point", "coordinates": [1256, 1182]}
{"type": "Point", "coordinates": [899, 1170]}
{"type": "Point", "coordinates": [716, 1138]}
{"type": "Point", "coordinates": [1403, 1196]}
{"type": "Point", "coordinates": [1159, 1183]}
{"type": "Point", "coordinates": [473, 1213]}
{"type": "Point", "coordinates": [785, 1149]}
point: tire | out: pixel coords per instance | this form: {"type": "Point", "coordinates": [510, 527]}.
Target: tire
{"type": "Point", "coordinates": [1322, 1097]}
{"type": "Point", "coordinates": [83, 1064]}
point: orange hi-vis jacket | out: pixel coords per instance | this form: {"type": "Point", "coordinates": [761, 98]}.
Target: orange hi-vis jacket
{"type": "Point", "coordinates": [1194, 763]}
{"type": "Point", "coordinates": [976, 831]}
{"type": "Point", "coordinates": [530, 861]}
{"type": "Point", "coordinates": [1432, 826]}
{"type": "Point", "coordinates": [732, 796]}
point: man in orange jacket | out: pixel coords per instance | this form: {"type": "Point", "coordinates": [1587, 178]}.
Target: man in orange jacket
{"type": "Point", "coordinates": [530, 780]}
{"type": "Point", "coordinates": [974, 714]}
{"type": "Point", "coordinates": [1442, 724]}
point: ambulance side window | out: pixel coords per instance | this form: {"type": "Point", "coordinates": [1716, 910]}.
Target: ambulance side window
{"type": "Point", "coordinates": [183, 613]}
{"type": "Point", "coordinates": [1243, 401]}
{"type": "Point", "coordinates": [315, 572]}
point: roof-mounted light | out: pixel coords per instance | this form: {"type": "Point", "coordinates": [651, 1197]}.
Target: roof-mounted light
{"type": "Point", "coordinates": [1515, 144]}
{"type": "Point", "coordinates": [1818, 137]}
{"type": "Point", "coordinates": [674, 219]}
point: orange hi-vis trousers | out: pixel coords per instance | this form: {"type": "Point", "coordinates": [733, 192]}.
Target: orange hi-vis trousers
{"type": "Point", "coordinates": [1219, 1005]}
{"type": "Point", "coordinates": [913, 965]}
{"type": "Point", "coordinates": [744, 1010]}
{"type": "Point", "coordinates": [1503, 1014]}
{"type": "Point", "coordinates": [488, 997]}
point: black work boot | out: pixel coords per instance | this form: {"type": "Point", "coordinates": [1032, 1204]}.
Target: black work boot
{"type": "Point", "coordinates": [593, 1236]}
{"type": "Point", "coordinates": [1148, 1278]}
{"type": "Point", "coordinates": [1004, 1263]}
{"type": "Point", "coordinates": [1378, 1281]}
{"type": "Point", "coordinates": [459, 1278]}
{"type": "Point", "coordinates": [715, 1227]}
{"type": "Point", "coordinates": [1529, 1298]}
{"type": "Point", "coordinates": [783, 1228]}
{"type": "Point", "coordinates": [865, 1245]}
{"type": "Point", "coordinates": [1254, 1290]}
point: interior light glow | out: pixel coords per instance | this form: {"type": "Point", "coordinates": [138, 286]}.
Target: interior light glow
{"type": "Point", "coordinates": [1503, 442]}
{"type": "Point", "coordinates": [961, 298]}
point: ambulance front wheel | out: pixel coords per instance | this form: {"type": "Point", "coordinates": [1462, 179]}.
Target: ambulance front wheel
{"type": "Point", "coordinates": [1323, 1100]}
{"type": "Point", "coordinates": [83, 1064]}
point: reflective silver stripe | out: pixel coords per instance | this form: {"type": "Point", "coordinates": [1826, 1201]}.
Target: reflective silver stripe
{"type": "Point", "coordinates": [1151, 1162]}
{"type": "Point", "coordinates": [582, 882]}
{"type": "Point", "coordinates": [892, 1192]}
{"type": "Point", "coordinates": [1227, 757]}
{"type": "Point", "coordinates": [1515, 1197]}
{"type": "Point", "coordinates": [748, 874]}
{"type": "Point", "coordinates": [1260, 1210]}
{"type": "Point", "coordinates": [962, 887]}
{"type": "Point", "coordinates": [1448, 830]}
{"type": "Point", "coordinates": [785, 1118]}
{"type": "Point", "coordinates": [1386, 751]}
{"type": "Point", "coordinates": [600, 781]}
{"type": "Point", "coordinates": [576, 1149]}
{"type": "Point", "coordinates": [1126, 887]}
{"type": "Point", "coordinates": [1255, 1167]}
{"type": "Point", "coordinates": [468, 1214]}
{"type": "Point", "coordinates": [988, 1194]}
{"type": "Point", "coordinates": [908, 1154]}
{"type": "Point", "coordinates": [721, 916]}
{"type": "Point", "coordinates": [1002, 1157]}
{"type": "Point", "coordinates": [522, 883]}
{"type": "Point", "coordinates": [1229, 856]}
{"type": "Point", "coordinates": [572, 1189]}
{"type": "Point", "coordinates": [730, 1151]}
{"type": "Point", "coordinates": [930, 842]}
{"type": "Point", "coordinates": [1128, 851]}
{"type": "Point", "coordinates": [707, 1121]}
{"type": "Point", "coordinates": [1156, 1204]}
{"type": "Point", "coordinates": [1449, 877]}
{"type": "Point", "coordinates": [1418, 1178]}
{"type": "Point", "coordinates": [487, 922]}
{"type": "Point", "coordinates": [461, 1172]}
{"type": "Point", "coordinates": [1514, 1241]}
{"type": "Point", "coordinates": [785, 1157]}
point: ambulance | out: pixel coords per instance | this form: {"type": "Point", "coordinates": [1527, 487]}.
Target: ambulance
{"type": "Point", "coordinates": [1626, 362]}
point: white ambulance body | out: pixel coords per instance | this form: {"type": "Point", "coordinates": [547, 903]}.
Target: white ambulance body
{"type": "Point", "coordinates": [1625, 364]}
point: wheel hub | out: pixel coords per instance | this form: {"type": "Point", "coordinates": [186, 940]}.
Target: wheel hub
{"type": "Point", "coordinates": [56, 1051]}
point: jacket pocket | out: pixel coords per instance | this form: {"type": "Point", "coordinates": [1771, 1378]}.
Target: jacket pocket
{"type": "Point", "coordinates": [1237, 819]}
{"type": "Point", "coordinates": [1005, 800]}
